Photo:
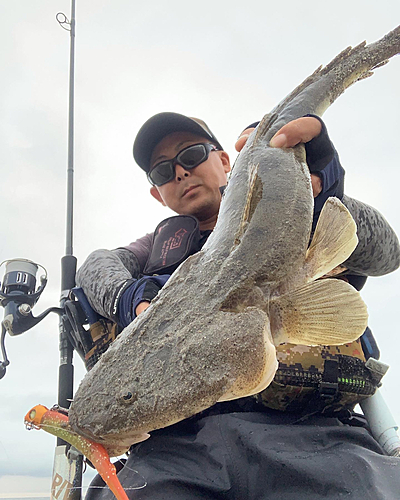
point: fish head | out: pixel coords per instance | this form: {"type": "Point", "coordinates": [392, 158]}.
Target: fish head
{"type": "Point", "coordinates": [111, 402]}
{"type": "Point", "coordinates": [185, 370]}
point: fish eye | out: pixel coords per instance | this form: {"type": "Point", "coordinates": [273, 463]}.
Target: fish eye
{"type": "Point", "coordinates": [128, 397]}
{"type": "Point", "coordinates": [32, 414]}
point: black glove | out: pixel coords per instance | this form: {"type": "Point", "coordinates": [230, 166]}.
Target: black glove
{"type": "Point", "coordinates": [142, 290]}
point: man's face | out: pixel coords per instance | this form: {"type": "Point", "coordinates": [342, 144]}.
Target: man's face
{"type": "Point", "coordinates": [196, 191]}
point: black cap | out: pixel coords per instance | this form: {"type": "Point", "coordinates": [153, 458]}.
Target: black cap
{"type": "Point", "coordinates": [161, 125]}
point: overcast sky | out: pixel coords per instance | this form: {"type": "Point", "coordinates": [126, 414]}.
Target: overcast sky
{"type": "Point", "coordinates": [227, 62]}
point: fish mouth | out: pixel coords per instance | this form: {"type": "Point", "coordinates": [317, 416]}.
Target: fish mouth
{"type": "Point", "coordinates": [115, 444]}
{"type": "Point", "coordinates": [189, 189]}
{"type": "Point", "coordinates": [89, 435]}
{"type": "Point", "coordinates": [118, 445]}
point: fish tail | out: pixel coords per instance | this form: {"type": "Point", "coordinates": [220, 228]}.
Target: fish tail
{"type": "Point", "coordinates": [318, 91]}
{"type": "Point", "coordinates": [108, 473]}
{"type": "Point", "coordinates": [99, 457]}
{"type": "Point", "coordinates": [117, 489]}
{"type": "Point", "coordinates": [56, 423]}
{"type": "Point", "coordinates": [351, 65]}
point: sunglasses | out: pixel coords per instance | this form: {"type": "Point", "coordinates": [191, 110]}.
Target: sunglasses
{"type": "Point", "coordinates": [188, 158]}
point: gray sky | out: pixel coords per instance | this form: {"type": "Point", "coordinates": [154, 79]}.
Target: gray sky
{"type": "Point", "coordinates": [226, 62]}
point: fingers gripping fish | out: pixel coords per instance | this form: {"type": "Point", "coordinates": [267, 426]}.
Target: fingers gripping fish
{"type": "Point", "coordinates": [56, 423]}
{"type": "Point", "coordinates": [210, 335]}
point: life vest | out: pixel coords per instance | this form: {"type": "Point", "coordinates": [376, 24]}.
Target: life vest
{"type": "Point", "coordinates": [319, 378]}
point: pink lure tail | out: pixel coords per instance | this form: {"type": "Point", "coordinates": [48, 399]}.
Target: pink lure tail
{"type": "Point", "coordinates": [57, 423]}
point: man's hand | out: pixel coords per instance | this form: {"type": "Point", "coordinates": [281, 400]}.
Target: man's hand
{"type": "Point", "coordinates": [293, 133]}
{"type": "Point", "coordinates": [149, 288]}
{"type": "Point", "coordinates": [141, 307]}
{"type": "Point", "coordinates": [243, 139]}
{"type": "Point", "coordinates": [297, 131]}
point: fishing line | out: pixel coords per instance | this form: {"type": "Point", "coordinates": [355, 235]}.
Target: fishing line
{"type": "Point", "coordinates": [138, 484]}
{"type": "Point", "coordinates": [5, 451]}
{"type": "Point", "coordinates": [85, 489]}
{"type": "Point", "coordinates": [142, 483]}
{"type": "Point", "coordinates": [125, 466]}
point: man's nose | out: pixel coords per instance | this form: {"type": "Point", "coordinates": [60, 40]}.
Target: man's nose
{"type": "Point", "coordinates": [180, 172]}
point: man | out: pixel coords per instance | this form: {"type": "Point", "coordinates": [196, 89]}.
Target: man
{"type": "Point", "coordinates": [287, 442]}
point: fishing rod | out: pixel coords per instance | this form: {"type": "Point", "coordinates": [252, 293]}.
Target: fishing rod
{"type": "Point", "coordinates": [68, 462]}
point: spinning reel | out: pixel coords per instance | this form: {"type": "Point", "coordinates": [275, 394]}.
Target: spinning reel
{"type": "Point", "coordinates": [18, 296]}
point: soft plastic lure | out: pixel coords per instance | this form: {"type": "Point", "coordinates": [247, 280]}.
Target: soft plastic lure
{"type": "Point", "coordinates": [57, 423]}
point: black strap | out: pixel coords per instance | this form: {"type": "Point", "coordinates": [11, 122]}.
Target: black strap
{"type": "Point", "coordinates": [330, 376]}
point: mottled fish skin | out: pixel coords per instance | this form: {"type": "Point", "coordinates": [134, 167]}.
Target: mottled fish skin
{"type": "Point", "coordinates": [208, 336]}
{"type": "Point", "coordinates": [159, 372]}
{"type": "Point", "coordinates": [376, 239]}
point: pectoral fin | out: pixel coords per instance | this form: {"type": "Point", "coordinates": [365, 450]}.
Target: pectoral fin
{"type": "Point", "coordinates": [334, 240]}
{"type": "Point", "coordinates": [324, 312]}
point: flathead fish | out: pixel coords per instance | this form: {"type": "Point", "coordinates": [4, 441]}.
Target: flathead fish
{"type": "Point", "coordinates": [210, 335]}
